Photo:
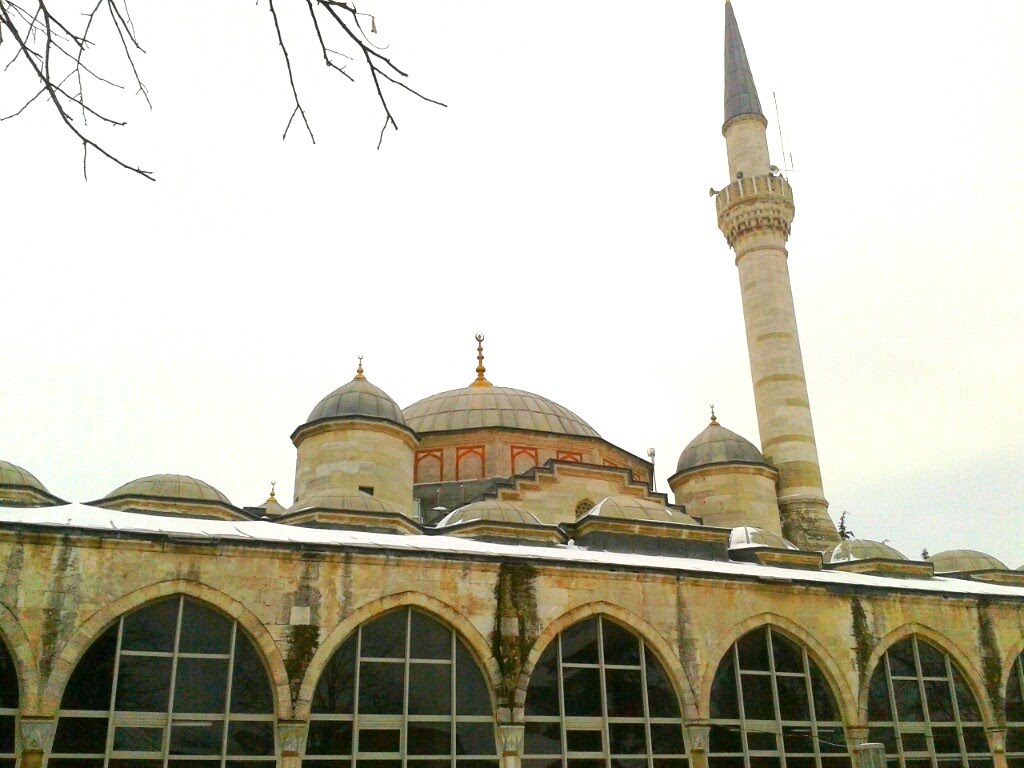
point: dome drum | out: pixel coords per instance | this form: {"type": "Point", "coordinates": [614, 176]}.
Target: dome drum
{"type": "Point", "coordinates": [975, 566]}
{"type": "Point", "coordinates": [20, 488]}
{"type": "Point", "coordinates": [501, 522]}
{"type": "Point", "coordinates": [350, 511]}
{"type": "Point", "coordinates": [169, 494]}
{"type": "Point", "coordinates": [876, 558]}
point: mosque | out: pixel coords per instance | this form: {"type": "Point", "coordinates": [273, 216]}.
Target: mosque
{"type": "Point", "coordinates": [481, 579]}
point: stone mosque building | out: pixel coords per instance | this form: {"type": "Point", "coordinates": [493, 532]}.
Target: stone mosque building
{"type": "Point", "coordinates": [481, 579]}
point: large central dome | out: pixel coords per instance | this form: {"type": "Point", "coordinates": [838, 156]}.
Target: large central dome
{"type": "Point", "coordinates": [476, 406]}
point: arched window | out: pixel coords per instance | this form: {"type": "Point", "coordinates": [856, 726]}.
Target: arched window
{"type": "Point", "coordinates": [921, 710]}
{"type": "Point", "coordinates": [175, 683]}
{"type": "Point", "coordinates": [1015, 715]}
{"type": "Point", "coordinates": [772, 708]}
{"type": "Point", "coordinates": [402, 692]}
{"type": "Point", "coordinates": [8, 708]}
{"type": "Point", "coordinates": [598, 698]}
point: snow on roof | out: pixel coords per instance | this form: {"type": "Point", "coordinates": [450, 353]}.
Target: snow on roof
{"type": "Point", "coordinates": [84, 517]}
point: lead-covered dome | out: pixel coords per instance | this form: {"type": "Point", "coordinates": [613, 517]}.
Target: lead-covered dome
{"type": "Point", "coordinates": [718, 445]}
{"type": "Point", "coordinates": [490, 510]}
{"type": "Point", "coordinates": [11, 475]}
{"type": "Point", "coordinates": [861, 549]}
{"type": "Point", "coordinates": [485, 406]}
{"type": "Point", "coordinates": [20, 487]}
{"type": "Point", "coordinates": [171, 487]}
{"type": "Point", "coordinates": [746, 536]}
{"type": "Point", "coordinates": [965, 561]}
{"type": "Point", "coordinates": [632, 508]}
{"type": "Point", "coordinates": [357, 399]}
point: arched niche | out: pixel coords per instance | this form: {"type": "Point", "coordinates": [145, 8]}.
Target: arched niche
{"type": "Point", "coordinates": [175, 677]}
{"type": "Point", "coordinates": [403, 690]}
{"type": "Point", "coordinates": [599, 696]}
{"type": "Point", "coordinates": [771, 705]}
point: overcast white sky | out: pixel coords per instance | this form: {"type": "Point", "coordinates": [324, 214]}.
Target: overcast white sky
{"type": "Point", "coordinates": [560, 206]}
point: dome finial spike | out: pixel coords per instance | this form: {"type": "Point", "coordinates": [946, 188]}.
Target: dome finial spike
{"type": "Point", "coordinates": [714, 419]}
{"type": "Point", "coordinates": [273, 494]}
{"type": "Point", "coordinates": [481, 380]}
{"type": "Point", "coordinates": [359, 370]}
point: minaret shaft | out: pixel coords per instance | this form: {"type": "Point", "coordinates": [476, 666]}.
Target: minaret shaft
{"type": "Point", "coordinates": [755, 213]}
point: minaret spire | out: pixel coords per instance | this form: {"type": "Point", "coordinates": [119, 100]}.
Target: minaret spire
{"type": "Point", "coordinates": [740, 91]}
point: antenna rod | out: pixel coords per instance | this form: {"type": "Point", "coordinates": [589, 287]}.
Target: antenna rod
{"type": "Point", "coordinates": [778, 122]}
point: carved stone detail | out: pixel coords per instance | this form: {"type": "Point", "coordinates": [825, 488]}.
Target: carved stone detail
{"type": "Point", "coordinates": [511, 738]}
{"type": "Point", "coordinates": [291, 736]}
{"type": "Point", "coordinates": [699, 734]}
{"type": "Point", "coordinates": [37, 735]}
{"type": "Point", "coordinates": [758, 203]}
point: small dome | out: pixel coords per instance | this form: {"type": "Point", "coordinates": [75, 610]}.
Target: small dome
{"type": "Point", "coordinates": [631, 508]}
{"type": "Point", "coordinates": [13, 475]}
{"type": "Point", "coordinates": [746, 537]}
{"type": "Point", "coordinates": [860, 549]}
{"type": "Point", "coordinates": [177, 487]}
{"type": "Point", "coordinates": [965, 561]}
{"type": "Point", "coordinates": [351, 501]}
{"type": "Point", "coordinates": [718, 445]}
{"type": "Point", "coordinates": [357, 399]}
{"type": "Point", "coordinates": [485, 406]}
{"type": "Point", "coordinates": [490, 510]}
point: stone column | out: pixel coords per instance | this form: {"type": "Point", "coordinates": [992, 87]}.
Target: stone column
{"type": "Point", "coordinates": [291, 735]}
{"type": "Point", "coordinates": [512, 736]}
{"type": "Point", "coordinates": [698, 734]}
{"type": "Point", "coordinates": [36, 740]}
{"type": "Point", "coordinates": [997, 742]}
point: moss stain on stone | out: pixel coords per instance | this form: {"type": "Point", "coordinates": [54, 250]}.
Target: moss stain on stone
{"type": "Point", "coordinates": [516, 625]}
{"type": "Point", "coordinates": [863, 638]}
{"type": "Point", "coordinates": [303, 639]}
{"type": "Point", "coordinates": [61, 602]}
{"type": "Point", "coordinates": [686, 645]}
{"type": "Point", "coordinates": [991, 658]}
{"type": "Point", "coordinates": [10, 590]}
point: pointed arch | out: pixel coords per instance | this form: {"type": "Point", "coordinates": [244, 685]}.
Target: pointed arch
{"type": "Point", "coordinates": [99, 621]}
{"type": "Point", "coordinates": [466, 631]}
{"type": "Point", "coordinates": [1016, 651]}
{"type": "Point", "coordinates": [972, 675]}
{"type": "Point", "coordinates": [24, 657]}
{"type": "Point", "coordinates": [663, 651]}
{"type": "Point", "coordinates": [826, 663]}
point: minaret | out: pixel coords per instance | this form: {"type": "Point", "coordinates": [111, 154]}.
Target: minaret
{"type": "Point", "coordinates": [755, 213]}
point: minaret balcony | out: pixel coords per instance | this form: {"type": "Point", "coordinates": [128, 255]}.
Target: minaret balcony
{"type": "Point", "coordinates": [757, 203]}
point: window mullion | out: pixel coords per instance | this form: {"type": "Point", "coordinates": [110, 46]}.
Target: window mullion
{"type": "Point", "coordinates": [227, 696]}
{"type": "Point", "coordinates": [113, 691]}
{"type": "Point", "coordinates": [606, 735]}
{"type": "Point", "coordinates": [775, 698]}
{"type": "Point", "coordinates": [174, 677]}
{"type": "Point", "coordinates": [355, 697]}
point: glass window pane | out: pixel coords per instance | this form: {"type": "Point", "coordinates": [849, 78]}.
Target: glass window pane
{"type": "Point", "coordinates": [429, 639]}
{"type": "Point", "coordinates": [385, 637]}
{"type": "Point", "coordinates": [429, 738]}
{"type": "Point", "coordinates": [584, 741]}
{"type": "Point", "coordinates": [201, 685]}
{"type": "Point", "coordinates": [582, 691]}
{"type": "Point", "coordinates": [430, 689]}
{"type": "Point", "coordinates": [976, 740]}
{"type": "Point", "coordinates": [724, 698]}
{"type": "Point", "coordinates": [753, 648]}
{"type": "Point", "coordinates": [884, 736]}
{"type": "Point", "coordinates": [667, 739]}
{"type": "Point", "coordinates": [908, 700]}
{"type": "Point", "coordinates": [250, 738]}
{"type": "Point", "coordinates": [543, 739]}
{"type": "Point", "coordinates": [831, 739]}
{"type": "Point", "coordinates": [624, 688]}
{"type": "Point", "coordinates": [373, 740]}
{"type": "Point", "coordinates": [933, 663]}
{"type": "Point", "coordinates": [475, 739]}
{"type": "Point", "coordinates": [901, 659]}
{"type": "Point", "coordinates": [946, 740]}
{"type": "Point", "coordinates": [940, 700]}
{"type": "Point", "coordinates": [329, 738]}
{"type": "Point", "coordinates": [139, 739]}
{"type": "Point", "coordinates": [8, 680]}
{"type": "Point", "coordinates": [90, 683]}
{"type": "Point", "coordinates": [251, 693]}
{"type": "Point", "coordinates": [471, 696]}
{"type": "Point", "coordinates": [152, 628]}
{"type": "Point", "coordinates": [204, 629]}
{"type": "Point", "coordinates": [7, 734]}
{"type": "Point", "coordinates": [80, 735]}
{"type": "Point", "coordinates": [143, 684]}
{"type": "Point", "coordinates": [620, 645]}
{"type": "Point", "coordinates": [198, 737]}
{"type": "Point", "coordinates": [824, 702]}
{"type": "Point", "coordinates": [915, 742]}
{"type": "Point", "coordinates": [760, 740]}
{"type": "Point", "coordinates": [381, 688]}
{"type": "Point", "coordinates": [725, 738]}
{"type": "Point", "coordinates": [757, 697]}
{"type": "Point", "coordinates": [335, 690]}
{"type": "Point", "coordinates": [878, 696]}
{"type": "Point", "coordinates": [793, 704]}
{"type": "Point", "coordinates": [579, 643]}
{"type": "Point", "coordinates": [661, 696]}
{"type": "Point", "coordinates": [965, 699]}
{"type": "Point", "coordinates": [542, 692]}
{"type": "Point", "coordinates": [627, 738]}
{"type": "Point", "coordinates": [789, 657]}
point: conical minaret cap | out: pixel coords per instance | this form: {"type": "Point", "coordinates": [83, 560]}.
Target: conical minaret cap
{"type": "Point", "coordinates": [740, 91]}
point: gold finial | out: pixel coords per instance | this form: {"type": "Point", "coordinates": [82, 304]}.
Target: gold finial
{"type": "Point", "coordinates": [481, 380]}
{"type": "Point", "coordinates": [273, 496]}
{"type": "Point", "coordinates": [359, 370]}
{"type": "Point", "coordinates": [714, 419]}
